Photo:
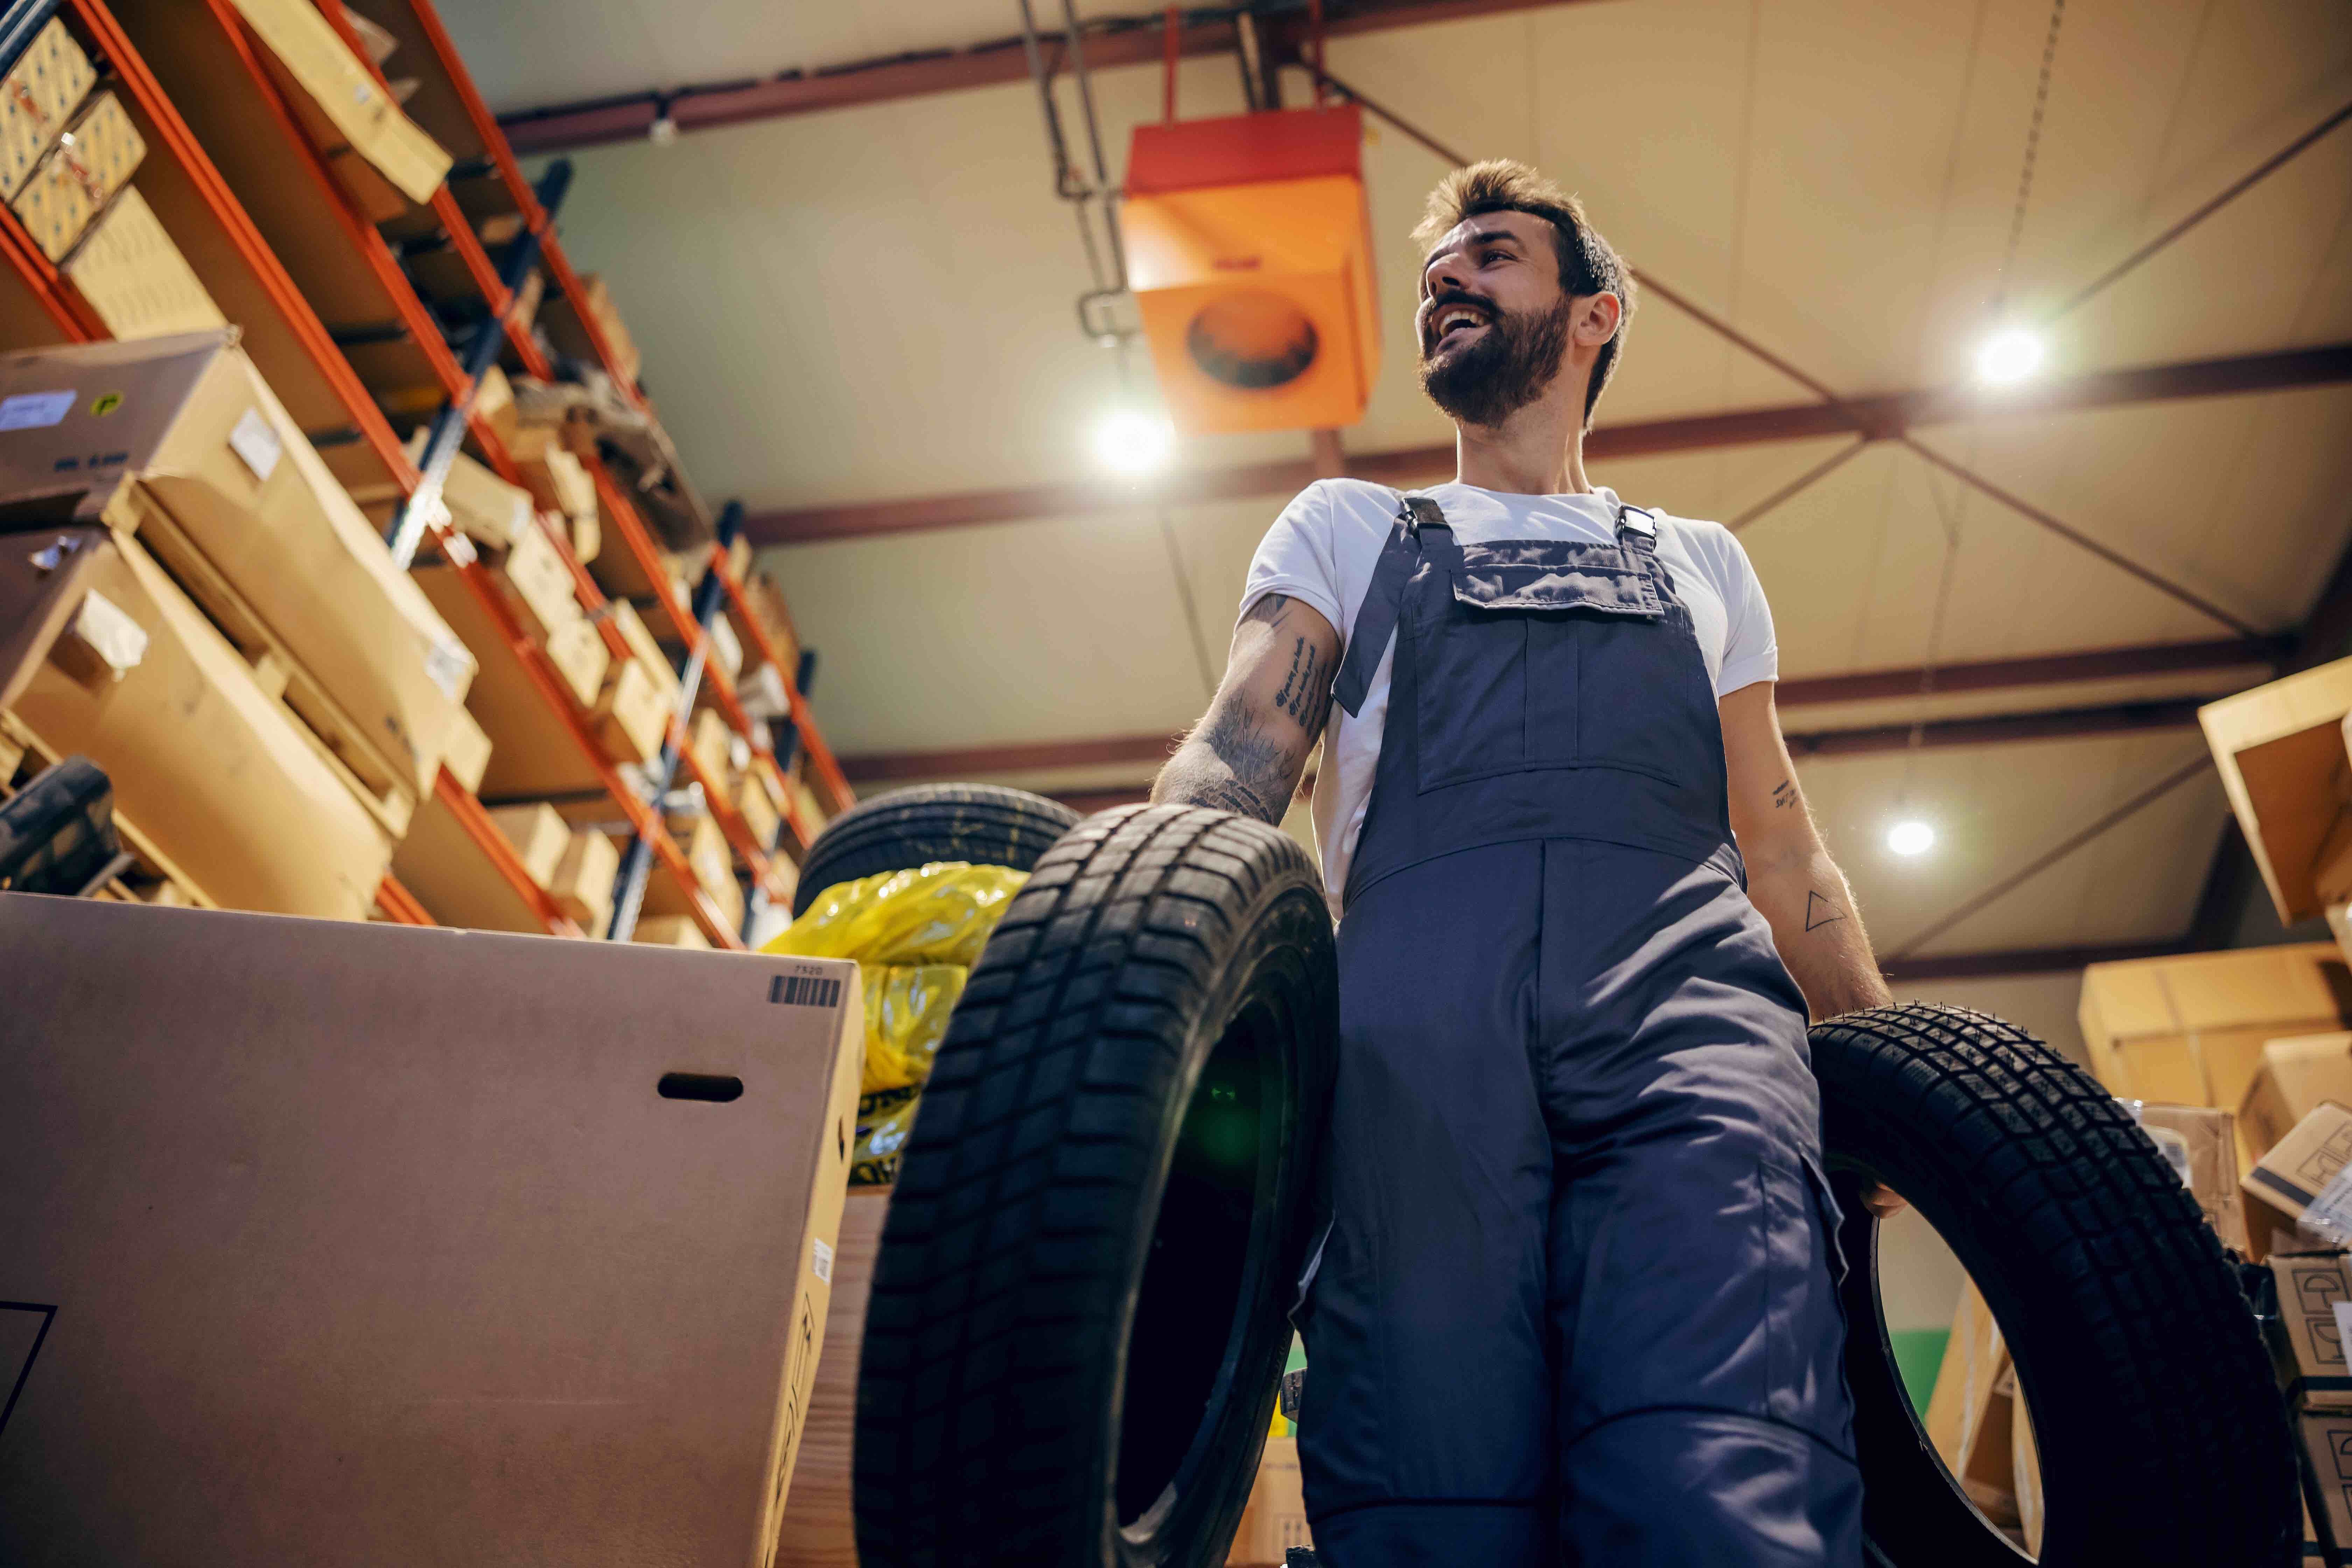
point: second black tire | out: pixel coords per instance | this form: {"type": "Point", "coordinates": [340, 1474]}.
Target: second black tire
{"type": "Point", "coordinates": [1077, 1317]}
{"type": "Point", "coordinates": [2161, 1434]}
{"type": "Point", "coordinates": [986, 824]}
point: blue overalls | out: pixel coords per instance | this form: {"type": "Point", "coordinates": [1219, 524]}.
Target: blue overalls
{"type": "Point", "coordinates": [1575, 1303]}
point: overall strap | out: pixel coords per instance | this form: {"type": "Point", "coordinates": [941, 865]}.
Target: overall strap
{"type": "Point", "coordinates": [1637, 526]}
{"type": "Point", "coordinates": [1376, 618]}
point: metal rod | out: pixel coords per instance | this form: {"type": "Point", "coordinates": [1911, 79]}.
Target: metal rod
{"type": "Point", "coordinates": [2024, 874]}
{"type": "Point", "coordinates": [424, 506]}
{"type": "Point", "coordinates": [2112, 557]}
{"type": "Point", "coordinates": [1836, 460]}
{"type": "Point", "coordinates": [2261, 172]}
{"type": "Point", "coordinates": [636, 863]}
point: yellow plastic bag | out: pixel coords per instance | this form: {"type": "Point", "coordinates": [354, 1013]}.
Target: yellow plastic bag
{"type": "Point", "coordinates": [915, 935]}
{"type": "Point", "coordinates": [938, 913]}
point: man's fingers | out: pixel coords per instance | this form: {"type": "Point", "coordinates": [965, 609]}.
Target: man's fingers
{"type": "Point", "coordinates": [1883, 1201]}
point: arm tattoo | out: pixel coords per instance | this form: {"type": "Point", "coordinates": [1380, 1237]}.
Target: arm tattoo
{"type": "Point", "coordinates": [1784, 794]}
{"type": "Point", "coordinates": [1820, 911]}
{"type": "Point", "coordinates": [1306, 693]}
{"type": "Point", "coordinates": [1259, 764]}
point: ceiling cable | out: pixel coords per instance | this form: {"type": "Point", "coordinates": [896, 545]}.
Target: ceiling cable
{"type": "Point", "coordinates": [2032, 156]}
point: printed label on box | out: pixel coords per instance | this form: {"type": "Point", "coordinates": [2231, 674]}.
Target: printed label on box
{"type": "Point", "coordinates": [34, 410]}
{"type": "Point", "coordinates": [821, 1260]}
{"type": "Point", "coordinates": [2328, 1216]}
{"type": "Point", "coordinates": [254, 440]}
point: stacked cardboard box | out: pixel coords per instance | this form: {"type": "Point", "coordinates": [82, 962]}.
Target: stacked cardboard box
{"type": "Point", "coordinates": [2191, 1030]}
{"type": "Point", "coordinates": [2280, 751]}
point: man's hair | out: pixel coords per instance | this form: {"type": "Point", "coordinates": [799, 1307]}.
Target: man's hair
{"type": "Point", "coordinates": [1588, 263]}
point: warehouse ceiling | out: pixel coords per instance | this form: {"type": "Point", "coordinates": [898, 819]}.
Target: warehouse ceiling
{"type": "Point", "coordinates": [872, 304]}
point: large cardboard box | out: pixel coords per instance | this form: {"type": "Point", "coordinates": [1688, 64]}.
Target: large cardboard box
{"type": "Point", "coordinates": [2304, 1179]}
{"type": "Point", "coordinates": [583, 881]}
{"type": "Point", "coordinates": [2328, 1439]}
{"type": "Point", "coordinates": [453, 877]}
{"type": "Point", "coordinates": [631, 712]}
{"type": "Point", "coordinates": [2280, 748]}
{"type": "Point", "coordinates": [72, 184]}
{"type": "Point", "coordinates": [188, 420]}
{"type": "Point", "coordinates": [135, 278]}
{"type": "Point", "coordinates": [2297, 1075]}
{"type": "Point", "coordinates": [36, 98]}
{"type": "Point", "coordinates": [818, 1529]}
{"type": "Point", "coordinates": [1275, 1519]}
{"type": "Point", "coordinates": [211, 766]}
{"type": "Point", "coordinates": [539, 835]}
{"type": "Point", "coordinates": [2191, 1030]}
{"type": "Point", "coordinates": [345, 93]}
{"type": "Point", "coordinates": [364, 1244]}
{"type": "Point", "coordinates": [2201, 1146]}
{"type": "Point", "coordinates": [2314, 1293]}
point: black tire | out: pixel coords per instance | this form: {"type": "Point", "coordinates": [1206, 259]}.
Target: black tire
{"type": "Point", "coordinates": [1078, 1317]}
{"type": "Point", "coordinates": [984, 824]}
{"type": "Point", "coordinates": [2162, 1435]}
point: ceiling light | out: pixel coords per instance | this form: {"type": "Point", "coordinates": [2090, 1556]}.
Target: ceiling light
{"type": "Point", "coordinates": [2010, 355]}
{"type": "Point", "coordinates": [1129, 441]}
{"type": "Point", "coordinates": [1911, 836]}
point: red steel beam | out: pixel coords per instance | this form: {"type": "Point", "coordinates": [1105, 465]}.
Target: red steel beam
{"type": "Point", "coordinates": [1138, 40]}
{"type": "Point", "coordinates": [2020, 961]}
{"type": "Point", "coordinates": [1862, 685]}
{"type": "Point", "coordinates": [1880, 416]}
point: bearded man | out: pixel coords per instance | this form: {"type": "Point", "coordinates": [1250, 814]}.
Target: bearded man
{"type": "Point", "coordinates": [1574, 1303]}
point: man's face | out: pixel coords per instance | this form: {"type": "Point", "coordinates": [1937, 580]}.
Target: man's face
{"type": "Point", "coordinates": [1493, 322]}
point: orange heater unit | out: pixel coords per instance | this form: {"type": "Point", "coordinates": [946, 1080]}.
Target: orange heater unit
{"type": "Point", "coordinates": [1249, 250]}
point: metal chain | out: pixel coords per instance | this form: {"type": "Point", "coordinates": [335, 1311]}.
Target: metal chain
{"type": "Point", "coordinates": [2033, 155]}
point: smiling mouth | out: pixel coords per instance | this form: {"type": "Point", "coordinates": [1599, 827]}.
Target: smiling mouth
{"type": "Point", "coordinates": [1454, 321]}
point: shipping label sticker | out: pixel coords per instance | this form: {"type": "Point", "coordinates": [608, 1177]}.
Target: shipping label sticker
{"type": "Point", "coordinates": [2343, 1312]}
{"type": "Point", "coordinates": [450, 665]}
{"type": "Point", "coordinates": [2329, 1217]}
{"type": "Point", "coordinates": [253, 439]}
{"type": "Point", "coordinates": [2175, 1150]}
{"type": "Point", "coordinates": [35, 410]}
{"type": "Point", "coordinates": [821, 1258]}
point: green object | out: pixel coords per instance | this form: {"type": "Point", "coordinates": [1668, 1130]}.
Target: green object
{"type": "Point", "coordinates": [1918, 1356]}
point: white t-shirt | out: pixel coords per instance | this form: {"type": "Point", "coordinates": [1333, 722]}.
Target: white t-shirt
{"type": "Point", "coordinates": [1321, 551]}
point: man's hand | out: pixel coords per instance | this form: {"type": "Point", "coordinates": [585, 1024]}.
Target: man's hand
{"type": "Point", "coordinates": [1791, 878]}
{"type": "Point", "coordinates": [1247, 751]}
{"type": "Point", "coordinates": [1882, 1200]}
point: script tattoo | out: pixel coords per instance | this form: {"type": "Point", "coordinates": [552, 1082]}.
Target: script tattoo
{"type": "Point", "coordinates": [1306, 693]}
{"type": "Point", "coordinates": [1784, 794]}
{"type": "Point", "coordinates": [1820, 911]}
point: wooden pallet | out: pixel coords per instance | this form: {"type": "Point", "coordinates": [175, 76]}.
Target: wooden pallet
{"type": "Point", "coordinates": [382, 786]}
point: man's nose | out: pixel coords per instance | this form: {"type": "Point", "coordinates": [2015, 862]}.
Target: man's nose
{"type": "Point", "coordinates": [1448, 271]}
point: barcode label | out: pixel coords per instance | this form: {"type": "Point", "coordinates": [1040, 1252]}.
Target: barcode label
{"type": "Point", "coordinates": [806, 989]}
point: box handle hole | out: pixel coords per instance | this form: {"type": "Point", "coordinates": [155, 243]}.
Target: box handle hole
{"type": "Point", "coordinates": [713, 1087]}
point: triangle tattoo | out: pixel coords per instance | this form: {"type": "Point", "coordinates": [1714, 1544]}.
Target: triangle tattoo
{"type": "Point", "coordinates": [1819, 911]}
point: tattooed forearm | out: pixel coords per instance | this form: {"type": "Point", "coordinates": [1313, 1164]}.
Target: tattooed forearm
{"type": "Point", "coordinates": [1820, 911]}
{"type": "Point", "coordinates": [1231, 794]}
{"type": "Point", "coordinates": [1247, 752]}
{"type": "Point", "coordinates": [1784, 795]}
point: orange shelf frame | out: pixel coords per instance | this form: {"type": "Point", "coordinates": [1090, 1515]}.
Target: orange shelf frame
{"type": "Point", "coordinates": [559, 267]}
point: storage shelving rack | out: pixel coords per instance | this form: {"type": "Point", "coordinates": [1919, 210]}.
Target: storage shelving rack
{"type": "Point", "coordinates": [349, 260]}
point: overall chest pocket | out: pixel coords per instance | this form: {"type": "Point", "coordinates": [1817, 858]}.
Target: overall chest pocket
{"type": "Point", "coordinates": [1501, 657]}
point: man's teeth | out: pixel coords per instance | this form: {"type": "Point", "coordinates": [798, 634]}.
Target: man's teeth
{"type": "Point", "coordinates": [1457, 316]}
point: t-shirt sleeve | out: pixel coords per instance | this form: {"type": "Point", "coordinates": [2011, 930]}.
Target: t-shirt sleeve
{"type": "Point", "coordinates": [1299, 556]}
{"type": "Point", "coordinates": [1750, 651]}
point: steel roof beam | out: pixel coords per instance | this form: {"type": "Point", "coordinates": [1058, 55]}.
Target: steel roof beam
{"type": "Point", "coordinates": [1884, 415]}
{"type": "Point", "coordinates": [1109, 41]}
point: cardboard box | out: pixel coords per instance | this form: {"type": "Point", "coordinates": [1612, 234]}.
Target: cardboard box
{"type": "Point", "coordinates": [36, 98]}
{"type": "Point", "coordinates": [758, 808]}
{"type": "Point", "coordinates": [670, 931]}
{"type": "Point", "coordinates": [2280, 751]}
{"type": "Point", "coordinates": [340, 87]}
{"type": "Point", "coordinates": [708, 857]}
{"type": "Point", "coordinates": [188, 421]}
{"type": "Point", "coordinates": [579, 655]}
{"type": "Point", "coordinates": [558, 482]}
{"type": "Point", "coordinates": [2202, 1144]}
{"type": "Point", "coordinates": [539, 582]}
{"type": "Point", "coordinates": [72, 184]}
{"type": "Point", "coordinates": [2303, 1177]}
{"type": "Point", "coordinates": [454, 877]}
{"type": "Point", "coordinates": [135, 278]}
{"type": "Point", "coordinates": [647, 651]}
{"type": "Point", "coordinates": [712, 744]}
{"type": "Point", "coordinates": [818, 1528]}
{"type": "Point", "coordinates": [725, 648]}
{"type": "Point", "coordinates": [467, 752]}
{"type": "Point", "coordinates": [494, 404]}
{"type": "Point", "coordinates": [404, 1212]}
{"type": "Point", "coordinates": [582, 879]}
{"type": "Point", "coordinates": [587, 537]}
{"type": "Point", "coordinates": [212, 767]}
{"type": "Point", "coordinates": [1275, 1519]}
{"type": "Point", "coordinates": [631, 714]}
{"type": "Point", "coordinates": [534, 754]}
{"type": "Point", "coordinates": [483, 507]}
{"type": "Point", "coordinates": [2191, 1030]}
{"type": "Point", "coordinates": [539, 835]}
{"type": "Point", "coordinates": [2315, 1292]}
{"type": "Point", "coordinates": [2328, 1440]}
{"type": "Point", "coordinates": [2296, 1075]}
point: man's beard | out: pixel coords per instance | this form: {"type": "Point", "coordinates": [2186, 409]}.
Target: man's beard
{"type": "Point", "coordinates": [1503, 371]}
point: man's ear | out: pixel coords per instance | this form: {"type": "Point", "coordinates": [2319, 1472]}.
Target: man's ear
{"type": "Point", "coordinates": [1597, 320]}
